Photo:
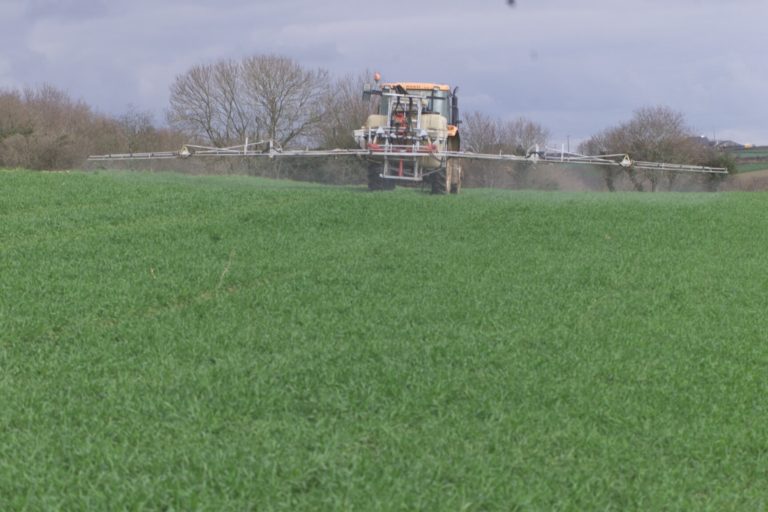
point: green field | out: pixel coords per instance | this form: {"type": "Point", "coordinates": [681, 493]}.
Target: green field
{"type": "Point", "coordinates": [192, 343]}
{"type": "Point", "coordinates": [750, 153]}
{"type": "Point", "coordinates": [751, 167]}
{"type": "Point", "coordinates": [749, 160]}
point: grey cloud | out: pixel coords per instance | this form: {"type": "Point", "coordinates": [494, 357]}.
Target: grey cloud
{"type": "Point", "coordinates": [576, 67]}
{"type": "Point", "coordinates": [41, 9]}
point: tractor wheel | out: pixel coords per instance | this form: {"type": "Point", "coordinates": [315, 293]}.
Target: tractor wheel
{"type": "Point", "coordinates": [375, 181]}
{"type": "Point", "coordinates": [441, 182]}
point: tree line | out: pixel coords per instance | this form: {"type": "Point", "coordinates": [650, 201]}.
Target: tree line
{"type": "Point", "coordinates": [272, 97]}
{"type": "Point", "coordinates": [267, 97]}
{"type": "Point", "coordinates": [656, 134]}
{"type": "Point", "coordinates": [44, 128]}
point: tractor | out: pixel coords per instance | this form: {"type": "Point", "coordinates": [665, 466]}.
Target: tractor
{"type": "Point", "coordinates": [411, 136]}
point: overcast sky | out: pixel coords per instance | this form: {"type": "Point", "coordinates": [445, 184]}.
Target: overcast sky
{"type": "Point", "coordinates": [575, 66]}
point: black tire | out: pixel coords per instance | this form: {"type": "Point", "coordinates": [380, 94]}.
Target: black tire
{"type": "Point", "coordinates": [375, 182]}
{"type": "Point", "coordinates": [440, 182]}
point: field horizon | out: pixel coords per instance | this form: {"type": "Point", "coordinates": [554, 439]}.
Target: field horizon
{"type": "Point", "coordinates": [172, 342]}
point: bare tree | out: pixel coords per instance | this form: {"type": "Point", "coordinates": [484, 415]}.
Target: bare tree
{"type": "Point", "coordinates": [139, 129]}
{"type": "Point", "coordinates": [484, 134]}
{"type": "Point", "coordinates": [57, 139]}
{"type": "Point", "coordinates": [285, 99]}
{"type": "Point", "coordinates": [193, 106]}
{"type": "Point", "coordinates": [657, 134]}
{"type": "Point", "coordinates": [597, 145]}
{"type": "Point", "coordinates": [344, 110]}
{"type": "Point", "coordinates": [229, 100]}
{"type": "Point", "coordinates": [14, 117]}
{"type": "Point", "coordinates": [261, 97]}
{"type": "Point", "coordinates": [43, 128]}
{"type": "Point", "coordinates": [15, 125]}
{"type": "Point", "coordinates": [104, 135]}
{"type": "Point", "coordinates": [524, 134]}
{"type": "Point", "coordinates": [481, 133]}
{"type": "Point", "coordinates": [140, 133]}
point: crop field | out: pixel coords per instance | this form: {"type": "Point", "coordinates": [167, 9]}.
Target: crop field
{"type": "Point", "coordinates": [750, 160]}
{"type": "Point", "coordinates": [752, 167]}
{"type": "Point", "coordinates": [761, 152]}
{"type": "Point", "coordinates": [197, 343]}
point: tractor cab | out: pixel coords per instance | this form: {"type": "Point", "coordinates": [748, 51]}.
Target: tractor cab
{"type": "Point", "coordinates": [398, 97]}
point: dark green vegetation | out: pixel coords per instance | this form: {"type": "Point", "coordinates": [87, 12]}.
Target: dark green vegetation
{"type": "Point", "coordinates": [179, 343]}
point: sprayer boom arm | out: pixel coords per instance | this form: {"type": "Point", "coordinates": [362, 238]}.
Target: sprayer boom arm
{"type": "Point", "coordinates": [270, 150]}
